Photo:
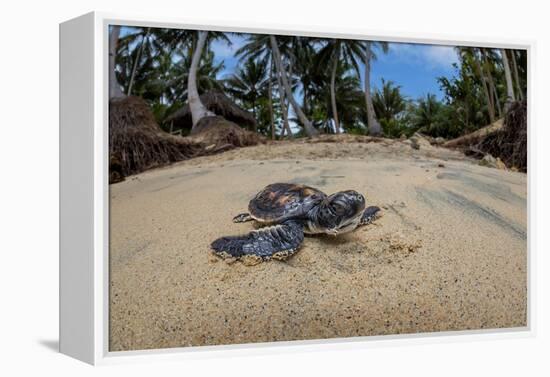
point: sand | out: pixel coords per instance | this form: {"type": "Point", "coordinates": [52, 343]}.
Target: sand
{"type": "Point", "coordinates": [449, 252]}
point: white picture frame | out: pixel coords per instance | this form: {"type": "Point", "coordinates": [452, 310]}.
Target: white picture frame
{"type": "Point", "coordinates": [84, 216]}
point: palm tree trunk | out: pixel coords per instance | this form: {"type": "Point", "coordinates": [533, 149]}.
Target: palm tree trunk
{"type": "Point", "coordinates": [333, 96]}
{"type": "Point", "coordinates": [496, 99]}
{"type": "Point", "coordinates": [373, 125]}
{"type": "Point", "coordinates": [488, 96]}
{"type": "Point", "coordinates": [509, 84]}
{"type": "Point", "coordinates": [492, 87]}
{"type": "Point", "coordinates": [310, 130]}
{"type": "Point", "coordinates": [270, 100]}
{"type": "Point", "coordinates": [305, 105]}
{"type": "Point", "coordinates": [287, 123]}
{"type": "Point", "coordinates": [516, 75]}
{"type": "Point", "coordinates": [284, 110]}
{"type": "Point", "coordinates": [287, 104]}
{"type": "Point", "coordinates": [255, 127]}
{"type": "Point", "coordinates": [114, 86]}
{"type": "Point", "coordinates": [136, 62]}
{"type": "Point", "coordinates": [198, 110]}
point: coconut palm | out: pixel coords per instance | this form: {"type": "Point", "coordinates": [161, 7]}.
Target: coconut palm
{"type": "Point", "coordinates": [198, 110]}
{"type": "Point", "coordinates": [258, 46]}
{"type": "Point", "coordinates": [513, 54]}
{"type": "Point", "coordinates": [281, 71]}
{"type": "Point", "coordinates": [137, 62]}
{"type": "Point", "coordinates": [427, 114]}
{"type": "Point", "coordinates": [305, 67]}
{"type": "Point", "coordinates": [388, 101]}
{"type": "Point", "coordinates": [369, 56]}
{"type": "Point", "coordinates": [508, 75]}
{"type": "Point", "coordinates": [114, 86]}
{"type": "Point", "coordinates": [207, 75]}
{"type": "Point", "coordinates": [489, 66]}
{"type": "Point", "coordinates": [348, 95]}
{"type": "Point", "coordinates": [472, 56]}
{"type": "Point", "coordinates": [249, 84]}
{"type": "Point", "coordinates": [145, 41]}
{"type": "Point", "coordinates": [334, 53]}
{"type": "Point", "coordinates": [203, 38]}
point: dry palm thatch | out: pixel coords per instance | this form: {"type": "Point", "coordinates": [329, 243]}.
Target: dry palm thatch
{"type": "Point", "coordinates": [510, 143]}
{"type": "Point", "coordinates": [504, 139]}
{"type": "Point", "coordinates": [219, 104]}
{"type": "Point", "coordinates": [136, 142]}
{"type": "Point", "coordinates": [219, 134]}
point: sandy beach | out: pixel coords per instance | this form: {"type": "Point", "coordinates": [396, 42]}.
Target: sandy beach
{"type": "Point", "coordinates": [449, 252]}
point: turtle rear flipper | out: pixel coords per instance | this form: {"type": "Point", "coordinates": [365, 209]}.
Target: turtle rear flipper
{"type": "Point", "coordinates": [277, 242]}
{"type": "Point", "coordinates": [369, 215]}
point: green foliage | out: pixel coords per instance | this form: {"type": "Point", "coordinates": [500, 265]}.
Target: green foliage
{"type": "Point", "coordinates": [390, 107]}
{"type": "Point", "coordinates": [466, 103]}
{"type": "Point", "coordinates": [388, 102]}
{"type": "Point", "coordinates": [207, 76]}
{"type": "Point", "coordinates": [431, 117]}
{"type": "Point", "coordinates": [155, 64]}
{"type": "Point", "coordinates": [248, 86]}
{"type": "Point", "coordinates": [349, 99]}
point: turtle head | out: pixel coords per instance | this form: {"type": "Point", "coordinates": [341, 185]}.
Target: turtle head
{"type": "Point", "coordinates": [341, 212]}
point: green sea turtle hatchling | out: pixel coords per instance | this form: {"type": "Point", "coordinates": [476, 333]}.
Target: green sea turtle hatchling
{"type": "Point", "coordinates": [288, 211]}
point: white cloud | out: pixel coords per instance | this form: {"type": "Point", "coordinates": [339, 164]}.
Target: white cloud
{"type": "Point", "coordinates": [432, 56]}
{"type": "Point", "coordinates": [442, 55]}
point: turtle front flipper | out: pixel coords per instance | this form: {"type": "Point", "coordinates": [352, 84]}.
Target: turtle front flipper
{"type": "Point", "coordinates": [369, 215]}
{"type": "Point", "coordinates": [277, 242]}
{"type": "Point", "coordinates": [242, 218]}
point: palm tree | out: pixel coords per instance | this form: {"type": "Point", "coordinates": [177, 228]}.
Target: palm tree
{"type": "Point", "coordinates": [333, 54]}
{"type": "Point", "coordinates": [426, 117]}
{"type": "Point", "coordinates": [207, 74]}
{"type": "Point", "coordinates": [114, 86]}
{"type": "Point", "coordinates": [508, 75]}
{"type": "Point", "coordinates": [489, 68]}
{"type": "Point", "coordinates": [249, 84]}
{"type": "Point", "coordinates": [348, 95]}
{"type": "Point", "coordinates": [270, 100]}
{"type": "Point", "coordinates": [469, 55]}
{"type": "Point", "coordinates": [138, 61]}
{"type": "Point", "coordinates": [489, 95]}
{"type": "Point", "coordinates": [144, 42]}
{"type": "Point", "coordinates": [201, 39]}
{"type": "Point", "coordinates": [198, 110]}
{"type": "Point", "coordinates": [373, 125]}
{"type": "Point", "coordinates": [308, 127]}
{"type": "Point", "coordinates": [388, 102]}
{"type": "Point", "coordinates": [258, 47]}
{"type": "Point", "coordinates": [305, 67]}
{"type": "Point", "coordinates": [516, 74]}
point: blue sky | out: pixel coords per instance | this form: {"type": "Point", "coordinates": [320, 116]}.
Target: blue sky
{"type": "Point", "coordinates": [415, 67]}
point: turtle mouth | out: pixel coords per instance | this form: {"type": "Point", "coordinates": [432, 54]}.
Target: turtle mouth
{"type": "Point", "coordinates": [346, 227]}
{"type": "Point", "coordinates": [333, 231]}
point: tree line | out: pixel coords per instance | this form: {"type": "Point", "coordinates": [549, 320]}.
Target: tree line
{"type": "Point", "coordinates": [303, 86]}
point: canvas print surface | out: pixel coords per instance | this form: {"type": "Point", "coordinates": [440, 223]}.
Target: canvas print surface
{"type": "Point", "coordinates": [272, 188]}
